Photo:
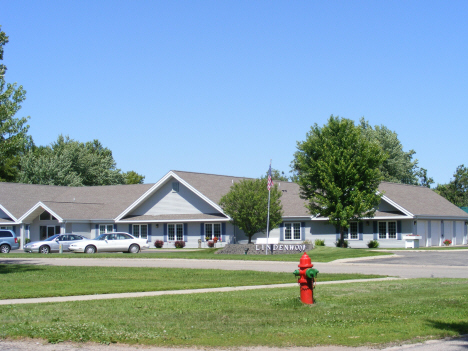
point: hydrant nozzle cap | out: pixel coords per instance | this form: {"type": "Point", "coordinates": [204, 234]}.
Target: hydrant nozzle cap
{"type": "Point", "coordinates": [305, 261]}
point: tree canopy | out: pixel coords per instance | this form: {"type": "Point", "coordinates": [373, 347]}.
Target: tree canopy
{"type": "Point", "coordinates": [337, 169]}
{"type": "Point", "coordinates": [71, 163]}
{"type": "Point", "coordinates": [14, 140]}
{"type": "Point", "coordinates": [247, 204]}
{"type": "Point", "coordinates": [132, 177]}
{"type": "Point", "coordinates": [399, 166]}
{"type": "Point", "coordinates": [456, 191]}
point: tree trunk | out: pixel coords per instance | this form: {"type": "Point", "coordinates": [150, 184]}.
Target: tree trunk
{"type": "Point", "coordinates": [342, 236]}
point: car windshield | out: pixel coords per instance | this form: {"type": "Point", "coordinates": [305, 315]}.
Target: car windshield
{"type": "Point", "coordinates": [101, 237]}
{"type": "Point", "coordinates": [52, 238]}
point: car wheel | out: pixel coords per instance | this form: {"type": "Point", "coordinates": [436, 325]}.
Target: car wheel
{"type": "Point", "coordinates": [134, 249]}
{"type": "Point", "coordinates": [90, 249]}
{"type": "Point", "coordinates": [44, 249]}
{"type": "Point", "coordinates": [5, 248]}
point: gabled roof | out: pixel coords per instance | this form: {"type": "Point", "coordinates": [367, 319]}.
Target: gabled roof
{"type": "Point", "coordinates": [96, 202]}
{"type": "Point", "coordinates": [215, 186]}
{"type": "Point", "coordinates": [421, 201]}
{"type": "Point", "coordinates": [115, 202]}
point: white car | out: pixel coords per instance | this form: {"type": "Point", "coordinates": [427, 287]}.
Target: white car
{"type": "Point", "coordinates": [110, 242]}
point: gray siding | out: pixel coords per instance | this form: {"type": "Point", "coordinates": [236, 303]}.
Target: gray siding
{"type": "Point", "coordinates": [82, 229]}
{"type": "Point", "coordinates": [165, 201]}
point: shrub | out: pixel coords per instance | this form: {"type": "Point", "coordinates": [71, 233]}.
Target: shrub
{"type": "Point", "coordinates": [211, 243]}
{"type": "Point", "coordinates": [319, 242]}
{"type": "Point", "coordinates": [373, 244]}
{"type": "Point", "coordinates": [158, 243]}
{"type": "Point", "coordinates": [179, 244]}
{"type": "Point", "coordinates": [345, 243]}
{"type": "Point", "coordinates": [27, 241]}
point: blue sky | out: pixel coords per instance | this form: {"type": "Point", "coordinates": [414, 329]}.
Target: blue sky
{"type": "Point", "coordinates": [224, 86]}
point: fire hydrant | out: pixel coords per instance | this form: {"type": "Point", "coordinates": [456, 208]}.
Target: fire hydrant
{"type": "Point", "coordinates": [307, 276]}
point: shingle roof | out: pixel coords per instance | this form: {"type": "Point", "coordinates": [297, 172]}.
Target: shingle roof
{"type": "Point", "coordinates": [215, 186]}
{"type": "Point", "coordinates": [421, 201]}
{"type": "Point", "coordinates": [96, 202]}
{"type": "Point", "coordinates": [107, 202]}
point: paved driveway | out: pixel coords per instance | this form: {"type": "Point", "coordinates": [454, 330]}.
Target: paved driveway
{"type": "Point", "coordinates": [422, 264]}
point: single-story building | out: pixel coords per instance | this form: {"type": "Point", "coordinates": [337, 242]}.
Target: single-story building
{"type": "Point", "coordinates": [184, 206]}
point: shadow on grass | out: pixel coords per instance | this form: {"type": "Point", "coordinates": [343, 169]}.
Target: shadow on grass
{"type": "Point", "coordinates": [18, 268]}
{"type": "Point", "coordinates": [458, 327]}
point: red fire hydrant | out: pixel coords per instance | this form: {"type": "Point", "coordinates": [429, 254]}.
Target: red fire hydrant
{"type": "Point", "coordinates": [307, 276]}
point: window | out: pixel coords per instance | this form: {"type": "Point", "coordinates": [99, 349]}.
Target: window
{"type": "Point", "coordinates": [106, 228]}
{"type": "Point", "coordinates": [353, 231]}
{"type": "Point", "coordinates": [46, 231]}
{"type": "Point", "coordinates": [5, 234]}
{"type": "Point", "coordinates": [8, 227]}
{"type": "Point", "coordinates": [175, 187]}
{"type": "Point", "coordinates": [292, 231]}
{"type": "Point", "coordinates": [212, 230]}
{"type": "Point", "coordinates": [175, 232]}
{"type": "Point", "coordinates": [140, 231]}
{"type": "Point", "coordinates": [387, 230]}
{"type": "Point", "coordinates": [46, 216]}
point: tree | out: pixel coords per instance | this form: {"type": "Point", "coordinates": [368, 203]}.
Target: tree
{"type": "Point", "coordinates": [14, 139]}
{"type": "Point", "coordinates": [456, 191]}
{"type": "Point", "coordinates": [424, 180]}
{"type": "Point", "coordinates": [132, 177]}
{"type": "Point", "coordinates": [247, 204]}
{"type": "Point", "coordinates": [338, 172]}
{"type": "Point", "coordinates": [71, 163]}
{"type": "Point", "coordinates": [399, 167]}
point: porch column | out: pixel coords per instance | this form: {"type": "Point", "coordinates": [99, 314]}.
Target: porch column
{"type": "Point", "coordinates": [22, 236]}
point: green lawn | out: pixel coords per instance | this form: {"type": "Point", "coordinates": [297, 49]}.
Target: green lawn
{"type": "Point", "coordinates": [319, 254]}
{"type": "Point", "coordinates": [27, 281]}
{"type": "Point", "coordinates": [368, 313]}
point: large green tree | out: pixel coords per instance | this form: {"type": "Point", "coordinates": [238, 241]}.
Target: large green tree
{"type": "Point", "coordinates": [337, 170]}
{"type": "Point", "coordinates": [456, 191]}
{"type": "Point", "coordinates": [71, 163]}
{"type": "Point", "coordinates": [399, 166]}
{"type": "Point", "coordinates": [247, 205]}
{"type": "Point", "coordinates": [14, 139]}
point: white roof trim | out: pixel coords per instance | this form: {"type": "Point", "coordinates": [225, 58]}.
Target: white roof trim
{"type": "Point", "coordinates": [398, 207]}
{"type": "Point", "coordinates": [174, 221]}
{"type": "Point", "coordinates": [8, 213]}
{"type": "Point", "coordinates": [162, 181]}
{"type": "Point", "coordinates": [35, 207]}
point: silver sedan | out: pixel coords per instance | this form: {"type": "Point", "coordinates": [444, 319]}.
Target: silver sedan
{"type": "Point", "coordinates": [53, 243]}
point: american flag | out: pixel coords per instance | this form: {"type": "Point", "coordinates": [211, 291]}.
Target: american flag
{"type": "Point", "coordinates": [270, 182]}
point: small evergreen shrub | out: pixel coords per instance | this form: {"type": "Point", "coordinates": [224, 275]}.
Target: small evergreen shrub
{"type": "Point", "coordinates": [373, 244]}
{"type": "Point", "coordinates": [319, 242]}
{"type": "Point", "coordinates": [345, 243]}
{"type": "Point", "coordinates": [158, 244]}
{"type": "Point", "coordinates": [27, 241]}
{"type": "Point", "coordinates": [211, 243]}
{"type": "Point", "coordinates": [179, 244]}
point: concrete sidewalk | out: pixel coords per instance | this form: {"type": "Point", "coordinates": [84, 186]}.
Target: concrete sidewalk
{"type": "Point", "coordinates": [174, 292]}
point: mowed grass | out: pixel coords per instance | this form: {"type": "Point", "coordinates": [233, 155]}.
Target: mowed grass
{"type": "Point", "coordinates": [319, 254]}
{"type": "Point", "coordinates": [368, 313]}
{"type": "Point", "coordinates": [28, 281]}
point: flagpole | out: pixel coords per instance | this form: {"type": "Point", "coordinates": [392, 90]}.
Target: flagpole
{"type": "Point", "coordinates": [268, 216]}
